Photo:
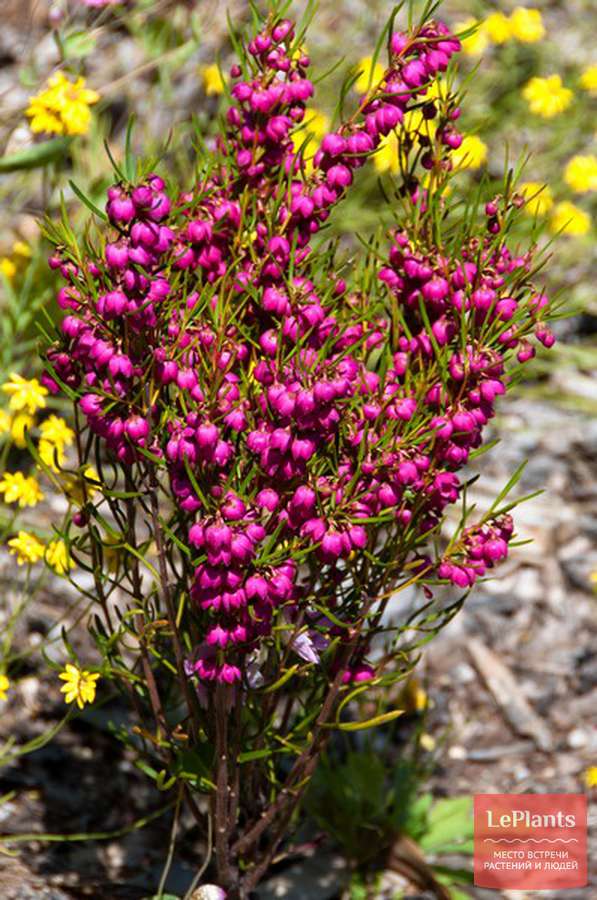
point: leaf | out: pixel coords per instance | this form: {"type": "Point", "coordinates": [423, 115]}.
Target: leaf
{"type": "Point", "coordinates": [250, 755]}
{"type": "Point", "coordinates": [88, 203]}
{"type": "Point", "coordinates": [278, 684]}
{"type": "Point", "coordinates": [512, 482]}
{"type": "Point", "coordinates": [369, 723]}
{"type": "Point", "coordinates": [130, 165]}
{"type": "Point", "coordinates": [450, 822]}
{"type": "Point", "coordinates": [455, 894]}
{"type": "Point", "coordinates": [36, 156]}
{"type": "Point", "coordinates": [453, 875]}
{"type": "Point", "coordinates": [78, 44]}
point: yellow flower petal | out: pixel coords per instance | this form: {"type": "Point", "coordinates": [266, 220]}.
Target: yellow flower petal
{"type": "Point", "coordinates": [497, 27]}
{"type": "Point", "coordinates": [547, 97]}
{"type": "Point", "coordinates": [570, 220]}
{"type": "Point", "coordinates": [62, 107]}
{"type": "Point", "coordinates": [538, 196]}
{"type": "Point", "coordinates": [476, 43]}
{"type": "Point", "coordinates": [588, 80]}
{"type": "Point", "coordinates": [213, 82]}
{"type": "Point", "coordinates": [581, 173]}
{"type": "Point", "coordinates": [527, 25]}
{"type": "Point", "coordinates": [369, 75]}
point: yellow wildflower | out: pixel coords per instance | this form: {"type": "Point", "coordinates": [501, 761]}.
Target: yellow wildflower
{"type": "Point", "coordinates": [5, 421]}
{"type": "Point", "coordinates": [316, 123]}
{"type": "Point", "coordinates": [591, 777]}
{"type": "Point", "coordinates": [19, 489]}
{"type": "Point", "coordinates": [80, 685]}
{"type": "Point", "coordinates": [20, 248]}
{"type": "Point", "coordinates": [51, 454]}
{"type": "Point", "coordinates": [4, 686]}
{"type": "Point", "coordinates": [588, 80]}
{"type": "Point", "coordinates": [436, 90]}
{"type": "Point", "coordinates": [21, 423]}
{"type": "Point", "coordinates": [427, 742]}
{"type": "Point", "coordinates": [414, 696]}
{"type": "Point", "coordinates": [497, 27]}
{"type": "Point", "coordinates": [547, 97]}
{"type": "Point", "coordinates": [369, 75]}
{"type": "Point", "coordinates": [569, 219]}
{"type": "Point", "coordinates": [62, 107]}
{"type": "Point", "coordinates": [414, 122]}
{"type": "Point", "coordinates": [7, 267]}
{"type": "Point", "coordinates": [387, 156]}
{"type": "Point", "coordinates": [581, 173]}
{"type": "Point", "coordinates": [112, 553]}
{"type": "Point", "coordinates": [27, 548]}
{"type": "Point", "coordinates": [88, 479]}
{"type": "Point", "coordinates": [314, 127]}
{"type": "Point", "coordinates": [29, 395]}
{"type": "Point", "coordinates": [55, 436]}
{"type": "Point", "coordinates": [538, 196]}
{"type": "Point", "coordinates": [55, 430]}
{"type": "Point", "coordinates": [300, 51]}
{"type": "Point", "coordinates": [58, 558]}
{"type": "Point", "coordinates": [471, 154]}
{"type": "Point", "coordinates": [527, 25]}
{"type": "Point", "coordinates": [213, 82]}
{"type": "Point", "coordinates": [477, 42]}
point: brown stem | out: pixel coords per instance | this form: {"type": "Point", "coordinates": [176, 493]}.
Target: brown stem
{"type": "Point", "coordinates": [99, 587]}
{"type": "Point", "coordinates": [304, 764]}
{"type": "Point", "coordinates": [154, 694]}
{"type": "Point", "coordinates": [164, 586]}
{"type": "Point", "coordinates": [254, 875]}
{"type": "Point", "coordinates": [226, 873]}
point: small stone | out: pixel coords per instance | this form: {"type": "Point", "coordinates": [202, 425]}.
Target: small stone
{"type": "Point", "coordinates": [578, 738]}
{"type": "Point", "coordinates": [464, 674]}
{"type": "Point", "coordinates": [209, 892]}
{"type": "Point", "coordinates": [457, 752]}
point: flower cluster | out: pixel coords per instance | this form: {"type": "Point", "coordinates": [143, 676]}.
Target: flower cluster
{"type": "Point", "coordinates": [547, 97]}
{"type": "Point", "coordinates": [304, 426]}
{"type": "Point", "coordinates": [581, 173]}
{"type": "Point", "coordinates": [20, 256]}
{"type": "Point", "coordinates": [564, 217]}
{"type": "Point", "coordinates": [18, 488]}
{"type": "Point", "coordinates": [79, 686]}
{"type": "Point", "coordinates": [588, 80]}
{"type": "Point", "coordinates": [62, 107]}
{"type": "Point", "coordinates": [524, 25]}
{"type": "Point", "coordinates": [27, 398]}
{"type": "Point", "coordinates": [482, 548]}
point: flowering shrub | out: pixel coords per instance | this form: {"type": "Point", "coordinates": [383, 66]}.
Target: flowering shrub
{"type": "Point", "coordinates": [278, 431]}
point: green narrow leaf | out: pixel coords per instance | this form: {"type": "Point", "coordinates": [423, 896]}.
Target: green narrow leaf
{"type": "Point", "coordinates": [36, 156]}
{"type": "Point", "coordinates": [285, 677]}
{"type": "Point", "coordinates": [369, 723]}
{"type": "Point", "coordinates": [250, 755]}
{"type": "Point", "coordinates": [88, 203]}
{"type": "Point", "coordinates": [78, 44]}
{"type": "Point", "coordinates": [130, 165]}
